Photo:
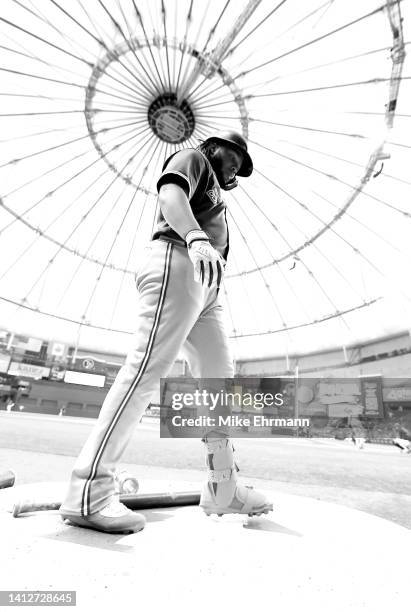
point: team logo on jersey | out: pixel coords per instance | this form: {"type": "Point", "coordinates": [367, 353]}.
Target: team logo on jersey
{"type": "Point", "coordinates": [214, 195]}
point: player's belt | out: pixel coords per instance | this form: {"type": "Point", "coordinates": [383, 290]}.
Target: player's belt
{"type": "Point", "coordinates": [173, 240]}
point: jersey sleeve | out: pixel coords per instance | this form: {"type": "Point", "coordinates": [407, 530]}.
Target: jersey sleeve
{"type": "Point", "coordinates": [185, 168]}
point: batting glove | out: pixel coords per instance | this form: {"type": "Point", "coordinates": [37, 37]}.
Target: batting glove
{"type": "Point", "coordinates": [207, 261]}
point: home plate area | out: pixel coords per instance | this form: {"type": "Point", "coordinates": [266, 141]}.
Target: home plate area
{"type": "Point", "coordinates": [325, 555]}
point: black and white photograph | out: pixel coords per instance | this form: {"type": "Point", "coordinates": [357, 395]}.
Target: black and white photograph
{"type": "Point", "coordinates": [205, 305]}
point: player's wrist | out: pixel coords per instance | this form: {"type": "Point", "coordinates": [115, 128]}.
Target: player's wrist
{"type": "Point", "coordinates": [195, 236]}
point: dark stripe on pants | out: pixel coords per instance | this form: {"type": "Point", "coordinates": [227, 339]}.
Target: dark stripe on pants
{"type": "Point", "coordinates": [134, 384]}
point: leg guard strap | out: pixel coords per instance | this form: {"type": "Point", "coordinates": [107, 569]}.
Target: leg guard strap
{"type": "Point", "coordinates": [220, 475]}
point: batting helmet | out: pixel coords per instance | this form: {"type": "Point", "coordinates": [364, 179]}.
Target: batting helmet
{"type": "Point", "coordinates": [238, 143]}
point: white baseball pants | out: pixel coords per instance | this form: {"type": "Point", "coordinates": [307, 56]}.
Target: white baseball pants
{"type": "Point", "coordinates": [174, 313]}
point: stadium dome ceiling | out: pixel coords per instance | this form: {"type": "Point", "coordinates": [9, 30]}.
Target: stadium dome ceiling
{"type": "Point", "coordinates": [95, 95]}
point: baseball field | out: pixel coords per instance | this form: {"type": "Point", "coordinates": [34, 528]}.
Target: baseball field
{"type": "Point", "coordinates": [375, 480]}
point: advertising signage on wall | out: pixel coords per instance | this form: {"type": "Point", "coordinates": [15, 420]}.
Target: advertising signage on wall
{"type": "Point", "coordinates": [57, 372]}
{"type": "Point", "coordinates": [372, 396]}
{"type": "Point", "coordinates": [29, 370]}
{"type": "Point", "coordinates": [398, 394]}
{"type": "Point", "coordinates": [82, 378]}
{"type": "Point", "coordinates": [343, 397]}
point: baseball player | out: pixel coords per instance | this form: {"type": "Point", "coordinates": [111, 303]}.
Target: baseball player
{"type": "Point", "coordinates": [357, 436]}
{"type": "Point", "coordinates": [178, 279]}
{"type": "Point", "coordinates": [402, 439]}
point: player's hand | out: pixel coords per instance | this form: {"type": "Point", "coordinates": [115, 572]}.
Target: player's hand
{"type": "Point", "coordinates": [207, 261]}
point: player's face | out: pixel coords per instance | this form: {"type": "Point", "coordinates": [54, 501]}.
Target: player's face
{"type": "Point", "coordinates": [231, 163]}
{"type": "Point", "coordinates": [226, 163]}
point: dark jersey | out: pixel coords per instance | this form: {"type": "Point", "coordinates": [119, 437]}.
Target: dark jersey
{"type": "Point", "coordinates": [192, 171]}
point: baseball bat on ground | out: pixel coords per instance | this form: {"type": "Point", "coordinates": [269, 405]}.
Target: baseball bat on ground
{"type": "Point", "coordinates": [7, 479]}
{"type": "Point", "coordinates": [142, 501]}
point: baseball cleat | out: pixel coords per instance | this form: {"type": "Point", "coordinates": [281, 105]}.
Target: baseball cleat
{"type": "Point", "coordinates": [79, 522]}
{"type": "Point", "coordinates": [245, 501]}
{"type": "Point", "coordinates": [113, 518]}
